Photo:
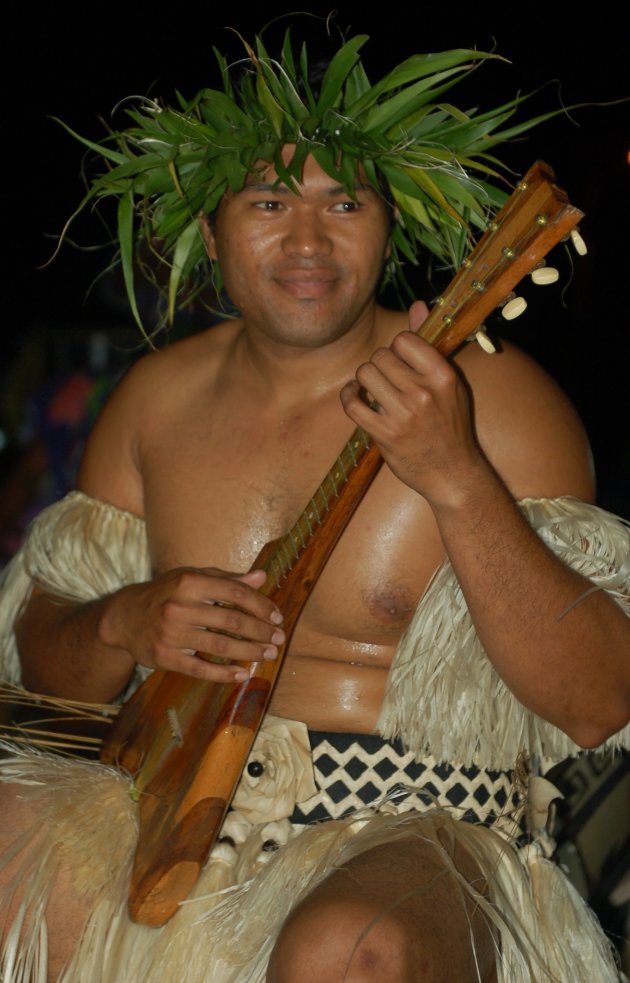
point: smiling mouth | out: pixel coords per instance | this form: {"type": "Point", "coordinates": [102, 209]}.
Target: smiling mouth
{"type": "Point", "coordinates": [307, 284]}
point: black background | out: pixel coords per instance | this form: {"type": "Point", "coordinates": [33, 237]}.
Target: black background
{"type": "Point", "coordinates": [79, 64]}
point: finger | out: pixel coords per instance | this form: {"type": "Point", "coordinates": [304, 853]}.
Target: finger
{"type": "Point", "coordinates": [190, 627]}
{"type": "Point", "coordinates": [418, 312]}
{"type": "Point", "coordinates": [210, 643]}
{"type": "Point", "coordinates": [351, 399]}
{"type": "Point", "coordinates": [192, 665]}
{"type": "Point", "coordinates": [218, 587]}
{"type": "Point", "coordinates": [420, 355]}
{"type": "Point", "coordinates": [233, 621]}
{"type": "Point", "coordinates": [255, 578]}
{"type": "Point", "coordinates": [200, 643]}
{"type": "Point", "coordinates": [386, 375]}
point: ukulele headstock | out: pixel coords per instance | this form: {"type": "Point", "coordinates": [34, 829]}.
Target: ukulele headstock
{"type": "Point", "coordinates": [536, 216]}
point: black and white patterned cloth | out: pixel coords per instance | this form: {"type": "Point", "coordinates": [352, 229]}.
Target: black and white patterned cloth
{"type": "Point", "coordinates": [353, 771]}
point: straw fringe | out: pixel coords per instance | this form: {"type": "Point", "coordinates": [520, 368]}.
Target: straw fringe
{"type": "Point", "coordinates": [78, 549]}
{"type": "Point", "coordinates": [441, 657]}
{"type": "Point", "coordinates": [225, 934]}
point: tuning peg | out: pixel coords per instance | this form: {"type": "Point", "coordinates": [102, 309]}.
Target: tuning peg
{"type": "Point", "coordinates": [578, 243]}
{"type": "Point", "coordinates": [514, 307]}
{"type": "Point", "coordinates": [482, 339]}
{"type": "Point", "coordinates": [544, 274]}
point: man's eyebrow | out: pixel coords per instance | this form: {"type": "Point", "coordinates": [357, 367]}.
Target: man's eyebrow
{"type": "Point", "coordinates": [266, 186]}
{"type": "Point", "coordinates": [276, 188]}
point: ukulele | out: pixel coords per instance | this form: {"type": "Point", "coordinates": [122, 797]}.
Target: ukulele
{"type": "Point", "coordinates": [186, 741]}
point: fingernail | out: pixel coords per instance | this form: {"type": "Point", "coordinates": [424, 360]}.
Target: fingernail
{"type": "Point", "coordinates": [276, 617]}
{"type": "Point", "coordinates": [241, 676]}
{"type": "Point", "coordinates": [270, 654]}
{"type": "Point", "coordinates": [278, 637]}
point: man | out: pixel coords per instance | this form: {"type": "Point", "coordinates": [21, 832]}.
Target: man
{"type": "Point", "coordinates": [217, 443]}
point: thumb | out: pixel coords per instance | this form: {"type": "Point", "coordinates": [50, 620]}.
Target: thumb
{"type": "Point", "coordinates": [254, 578]}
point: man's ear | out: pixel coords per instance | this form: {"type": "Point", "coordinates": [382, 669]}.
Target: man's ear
{"type": "Point", "coordinates": [208, 236]}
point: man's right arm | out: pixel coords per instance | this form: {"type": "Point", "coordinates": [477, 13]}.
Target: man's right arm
{"type": "Point", "coordinates": [175, 621]}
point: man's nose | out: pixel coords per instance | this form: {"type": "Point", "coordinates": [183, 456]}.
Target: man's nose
{"type": "Point", "coordinates": [307, 235]}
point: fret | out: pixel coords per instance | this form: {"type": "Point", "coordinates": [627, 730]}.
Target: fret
{"type": "Point", "coordinates": [286, 555]}
{"type": "Point", "coordinates": [324, 497]}
{"type": "Point", "coordinates": [299, 532]}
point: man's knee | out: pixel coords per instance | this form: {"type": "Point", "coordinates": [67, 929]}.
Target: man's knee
{"type": "Point", "coordinates": [340, 941]}
{"type": "Point", "coordinates": [396, 914]}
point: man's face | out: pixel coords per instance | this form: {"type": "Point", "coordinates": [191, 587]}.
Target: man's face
{"type": "Point", "coordinates": [302, 269]}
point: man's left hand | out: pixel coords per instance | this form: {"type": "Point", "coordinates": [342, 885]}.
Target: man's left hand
{"type": "Point", "coordinates": [416, 408]}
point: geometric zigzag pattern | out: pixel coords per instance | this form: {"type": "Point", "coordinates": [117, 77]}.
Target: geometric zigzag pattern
{"type": "Point", "coordinates": [357, 770]}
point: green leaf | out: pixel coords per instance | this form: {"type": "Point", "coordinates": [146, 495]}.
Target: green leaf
{"type": "Point", "coordinates": [269, 104]}
{"type": "Point", "coordinates": [417, 183]}
{"type": "Point", "coordinates": [394, 109]}
{"type": "Point", "coordinates": [125, 239]}
{"type": "Point", "coordinates": [225, 73]}
{"type": "Point", "coordinates": [295, 166]}
{"type": "Point", "coordinates": [458, 190]}
{"type": "Point", "coordinates": [284, 175]}
{"type": "Point", "coordinates": [337, 71]}
{"type": "Point", "coordinates": [100, 148]}
{"type": "Point", "coordinates": [280, 85]}
{"type": "Point", "coordinates": [310, 98]}
{"type": "Point", "coordinates": [357, 85]}
{"type": "Point", "coordinates": [217, 109]}
{"type": "Point", "coordinates": [414, 68]}
{"type": "Point", "coordinates": [414, 206]}
{"type": "Point", "coordinates": [287, 57]}
{"type": "Point", "coordinates": [325, 159]}
{"type": "Point", "coordinates": [189, 237]}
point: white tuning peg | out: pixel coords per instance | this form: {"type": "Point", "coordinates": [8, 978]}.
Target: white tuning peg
{"type": "Point", "coordinates": [482, 339]}
{"type": "Point", "coordinates": [513, 308]}
{"type": "Point", "coordinates": [578, 243]}
{"type": "Point", "coordinates": [544, 274]}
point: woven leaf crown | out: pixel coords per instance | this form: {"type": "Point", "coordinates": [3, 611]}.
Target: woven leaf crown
{"type": "Point", "coordinates": [174, 163]}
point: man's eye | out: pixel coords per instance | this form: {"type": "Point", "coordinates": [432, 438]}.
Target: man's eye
{"type": "Point", "coordinates": [268, 206]}
{"type": "Point", "coordinates": [346, 206]}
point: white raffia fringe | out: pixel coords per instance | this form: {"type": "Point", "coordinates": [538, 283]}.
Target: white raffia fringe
{"type": "Point", "coordinates": [440, 662]}
{"type": "Point", "coordinates": [225, 934]}
{"type": "Point", "coordinates": [78, 549]}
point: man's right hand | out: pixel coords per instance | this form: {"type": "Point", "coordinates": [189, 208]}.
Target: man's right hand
{"type": "Point", "coordinates": [184, 617]}
{"type": "Point", "coordinates": [176, 621]}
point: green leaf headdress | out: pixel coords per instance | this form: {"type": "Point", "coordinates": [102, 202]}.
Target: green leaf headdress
{"type": "Point", "coordinates": [173, 164]}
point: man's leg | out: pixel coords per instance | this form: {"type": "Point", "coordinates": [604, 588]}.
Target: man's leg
{"type": "Point", "coordinates": [395, 914]}
{"type": "Point", "coordinates": [65, 912]}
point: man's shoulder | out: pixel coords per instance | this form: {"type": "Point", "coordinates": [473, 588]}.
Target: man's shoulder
{"type": "Point", "coordinates": [167, 375]}
{"type": "Point", "coordinates": [200, 353]}
{"type": "Point", "coordinates": [526, 424]}
{"type": "Point", "coordinates": [142, 407]}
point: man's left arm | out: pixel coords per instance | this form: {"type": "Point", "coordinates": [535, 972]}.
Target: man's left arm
{"type": "Point", "coordinates": [562, 650]}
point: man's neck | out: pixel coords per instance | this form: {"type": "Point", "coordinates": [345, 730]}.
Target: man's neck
{"type": "Point", "coordinates": [286, 374]}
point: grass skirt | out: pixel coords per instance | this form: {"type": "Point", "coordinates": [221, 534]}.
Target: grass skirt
{"type": "Point", "coordinates": [225, 932]}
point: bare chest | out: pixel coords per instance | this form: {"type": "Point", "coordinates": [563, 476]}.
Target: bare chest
{"type": "Point", "coordinates": [214, 496]}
